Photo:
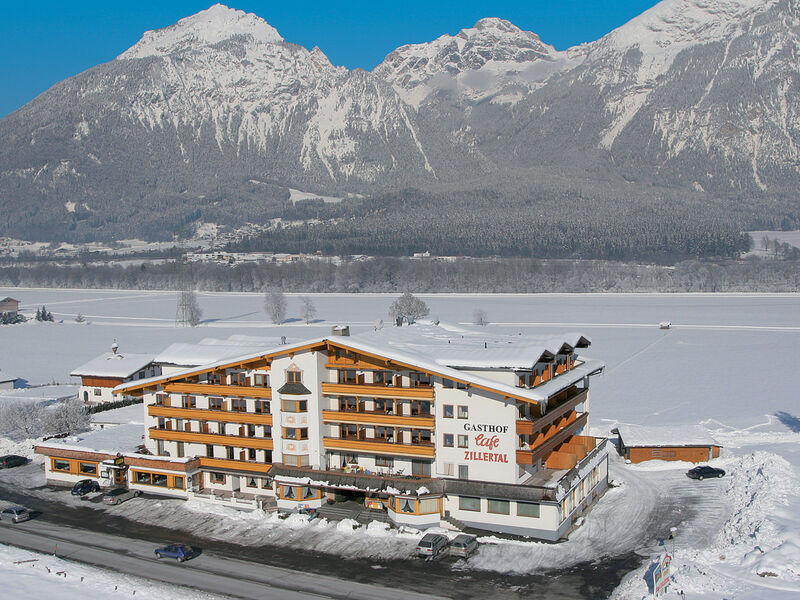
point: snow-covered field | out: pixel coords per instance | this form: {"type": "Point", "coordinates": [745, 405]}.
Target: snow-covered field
{"type": "Point", "coordinates": [728, 363]}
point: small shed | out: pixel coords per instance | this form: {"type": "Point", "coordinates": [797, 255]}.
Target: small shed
{"type": "Point", "coordinates": [7, 382]}
{"type": "Point", "coordinates": [691, 444]}
{"type": "Point", "coordinates": [9, 306]}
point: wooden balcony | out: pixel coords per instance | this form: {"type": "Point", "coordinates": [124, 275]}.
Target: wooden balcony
{"type": "Point", "coordinates": [379, 447]}
{"type": "Point", "coordinates": [377, 391]}
{"type": "Point", "coordinates": [529, 457]}
{"type": "Point", "coordinates": [202, 414]}
{"type": "Point", "coordinates": [197, 437]}
{"type": "Point", "coordinates": [234, 465]}
{"type": "Point", "coordinates": [530, 427]}
{"type": "Point", "coordinates": [209, 389]}
{"type": "Point", "coordinates": [379, 419]}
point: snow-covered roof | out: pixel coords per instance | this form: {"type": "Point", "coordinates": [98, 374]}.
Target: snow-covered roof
{"type": "Point", "coordinates": [114, 365]}
{"type": "Point", "coordinates": [686, 435]}
{"type": "Point", "coordinates": [121, 416]}
{"type": "Point", "coordinates": [5, 377]}
{"type": "Point", "coordinates": [122, 439]}
{"type": "Point", "coordinates": [43, 395]}
{"type": "Point", "coordinates": [211, 350]}
{"type": "Point", "coordinates": [420, 346]}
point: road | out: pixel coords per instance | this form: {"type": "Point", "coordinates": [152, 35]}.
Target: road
{"type": "Point", "coordinates": [266, 572]}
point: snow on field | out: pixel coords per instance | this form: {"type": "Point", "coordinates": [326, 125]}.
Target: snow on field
{"type": "Point", "coordinates": [28, 575]}
{"type": "Point", "coordinates": [728, 364]}
{"type": "Point", "coordinates": [45, 394]}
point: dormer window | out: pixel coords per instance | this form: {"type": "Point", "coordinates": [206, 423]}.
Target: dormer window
{"type": "Point", "coordinates": [293, 376]}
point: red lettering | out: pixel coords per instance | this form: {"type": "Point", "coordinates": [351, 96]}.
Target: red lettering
{"type": "Point", "coordinates": [487, 442]}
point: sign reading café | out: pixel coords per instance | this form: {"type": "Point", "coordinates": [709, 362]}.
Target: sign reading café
{"type": "Point", "coordinates": [488, 441]}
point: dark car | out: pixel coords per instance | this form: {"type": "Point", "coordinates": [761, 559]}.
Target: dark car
{"type": "Point", "coordinates": [179, 552]}
{"type": "Point", "coordinates": [118, 495]}
{"type": "Point", "coordinates": [85, 486]}
{"type": "Point", "coordinates": [704, 471]}
{"type": "Point", "coordinates": [12, 460]}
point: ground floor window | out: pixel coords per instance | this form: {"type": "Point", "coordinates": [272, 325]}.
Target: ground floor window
{"type": "Point", "coordinates": [251, 482]}
{"type": "Point", "coordinates": [158, 479]}
{"type": "Point", "coordinates": [406, 505]}
{"type": "Point", "coordinates": [428, 506]}
{"type": "Point", "coordinates": [177, 482]}
{"type": "Point", "coordinates": [469, 503]}
{"type": "Point", "coordinates": [296, 461]}
{"type": "Point", "coordinates": [60, 465]}
{"type": "Point", "coordinates": [384, 461]}
{"type": "Point", "coordinates": [419, 467]}
{"type": "Point", "coordinates": [528, 509]}
{"type": "Point", "coordinates": [217, 477]}
{"type": "Point", "coordinates": [88, 468]}
{"type": "Point", "coordinates": [500, 507]}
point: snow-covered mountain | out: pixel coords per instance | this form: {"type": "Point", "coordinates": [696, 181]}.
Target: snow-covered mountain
{"type": "Point", "coordinates": [220, 113]}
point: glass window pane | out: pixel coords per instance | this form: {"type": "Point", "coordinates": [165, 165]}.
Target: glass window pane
{"type": "Point", "coordinates": [468, 503]}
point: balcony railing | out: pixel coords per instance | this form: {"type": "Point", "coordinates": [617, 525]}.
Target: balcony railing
{"type": "Point", "coordinates": [379, 447]}
{"type": "Point", "coordinates": [213, 389]}
{"type": "Point", "coordinates": [530, 456]}
{"type": "Point", "coordinates": [376, 391]}
{"type": "Point", "coordinates": [203, 414]}
{"type": "Point", "coordinates": [199, 437]}
{"type": "Point", "coordinates": [531, 426]}
{"type": "Point", "coordinates": [235, 465]}
{"type": "Point", "coordinates": [378, 418]}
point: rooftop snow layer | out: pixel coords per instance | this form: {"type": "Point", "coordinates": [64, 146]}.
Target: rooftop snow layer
{"type": "Point", "coordinates": [45, 394]}
{"type": "Point", "coordinates": [636, 436]}
{"type": "Point", "coordinates": [121, 416]}
{"type": "Point", "coordinates": [212, 350]}
{"type": "Point", "coordinates": [114, 365]}
{"type": "Point", "coordinates": [122, 439]}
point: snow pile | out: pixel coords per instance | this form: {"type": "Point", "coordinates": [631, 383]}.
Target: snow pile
{"type": "Point", "coordinates": [756, 551]}
{"type": "Point", "coordinates": [30, 575]}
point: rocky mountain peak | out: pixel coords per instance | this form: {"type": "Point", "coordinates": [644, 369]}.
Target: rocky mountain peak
{"type": "Point", "coordinates": [206, 28]}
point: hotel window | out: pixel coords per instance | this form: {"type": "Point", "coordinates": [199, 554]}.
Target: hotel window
{"type": "Point", "coordinates": [463, 412]}
{"type": "Point", "coordinates": [251, 454]}
{"type": "Point", "coordinates": [60, 465]}
{"type": "Point", "coordinates": [419, 379]}
{"type": "Point", "coordinates": [266, 483]}
{"type": "Point", "coordinates": [268, 456]}
{"type": "Point", "coordinates": [288, 492]}
{"type": "Point", "coordinates": [262, 407]}
{"type": "Point", "coordinates": [251, 482]}
{"type": "Point", "coordinates": [215, 403]}
{"type": "Point", "coordinates": [347, 376]}
{"type": "Point", "coordinates": [98, 392]}
{"type": "Point", "coordinates": [385, 434]}
{"type": "Point", "coordinates": [161, 400]}
{"type": "Point", "coordinates": [230, 452]}
{"type": "Point", "coordinates": [461, 385]}
{"type": "Point", "coordinates": [180, 450]}
{"type": "Point", "coordinates": [159, 479]}
{"type": "Point", "coordinates": [469, 503]}
{"type": "Point", "coordinates": [217, 477]}
{"type": "Point", "coordinates": [463, 472]}
{"type": "Point", "coordinates": [250, 430]}
{"type": "Point", "coordinates": [448, 383]}
{"type": "Point", "coordinates": [240, 379]}
{"type": "Point", "coordinates": [463, 441]}
{"type": "Point", "coordinates": [382, 377]}
{"type": "Point", "coordinates": [188, 402]}
{"type": "Point", "coordinates": [348, 404]}
{"type": "Point", "coordinates": [406, 506]}
{"type": "Point", "coordinates": [420, 407]}
{"type": "Point", "coordinates": [447, 469]}
{"type": "Point", "coordinates": [528, 509]}
{"type": "Point", "coordinates": [267, 431]}
{"type": "Point", "coordinates": [447, 411]}
{"type": "Point", "coordinates": [239, 405]}
{"type": "Point", "coordinates": [261, 379]}
{"type": "Point", "coordinates": [419, 467]}
{"type": "Point", "coordinates": [296, 461]}
{"type": "Point", "coordinates": [294, 377]}
{"type": "Point", "coordinates": [308, 492]}
{"type": "Point", "coordinates": [160, 448]}
{"type": "Point", "coordinates": [447, 440]}
{"type": "Point", "coordinates": [88, 468]}
{"type": "Point", "coordinates": [214, 378]}
{"type": "Point", "coordinates": [384, 406]}
{"type": "Point", "coordinates": [209, 451]}
{"type": "Point", "coordinates": [384, 461]}
{"type": "Point", "coordinates": [142, 477]}
{"type": "Point", "coordinates": [177, 482]}
{"type": "Point", "coordinates": [292, 433]}
{"type": "Point", "coordinates": [499, 507]}
{"type": "Point", "coordinates": [349, 459]}
{"type": "Point", "coordinates": [294, 406]}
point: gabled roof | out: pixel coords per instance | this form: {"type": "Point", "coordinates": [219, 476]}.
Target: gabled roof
{"type": "Point", "coordinates": [9, 299]}
{"type": "Point", "coordinates": [638, 436]}
{"type": "Point", "coordinates": [418, 348]}
{"type": "Point", "coordinates": [113, 365]}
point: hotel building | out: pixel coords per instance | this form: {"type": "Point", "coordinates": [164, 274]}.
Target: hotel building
{"type": "Point", "coordinates": [436, 426]}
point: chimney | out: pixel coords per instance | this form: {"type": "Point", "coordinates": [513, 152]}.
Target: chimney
{"type": "Point", "coordinates": [114, 347]}
{"type": "Point", "coordinates": [340, 330]}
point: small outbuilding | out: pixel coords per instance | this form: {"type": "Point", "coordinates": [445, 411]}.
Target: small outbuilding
{"type": "Point", "coordinates": [9, 306]}
{"type": "Point", "coordinates": [101, 375]}
{"type": "Point", "coordinates": [7, 382]}
{"type": "Point", "coordinates": [691, 444]}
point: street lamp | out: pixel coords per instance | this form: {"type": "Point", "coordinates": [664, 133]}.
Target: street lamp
{"type": "Point", "coordinates": [673, 532]}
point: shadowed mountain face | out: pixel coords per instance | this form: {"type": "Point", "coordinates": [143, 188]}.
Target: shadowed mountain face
{"type": "Point", "coordinates": [214, 118]}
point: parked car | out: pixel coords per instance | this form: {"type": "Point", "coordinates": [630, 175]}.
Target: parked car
{"type": "Point", "coordinates": [704, 471]}
{"type": "Point", "coordinates": [431, 544]}
{"type": "Point", "coordinates": [118, 495]}
{"type": "Point", "coordinates": [463, 545]}
{"type": "Point", "coordinates": [179, 552]}
{"type": "Point", "coordinates": [12, 460]}
{"type": "Point", "coordinates": [85, 486]}
{"type": "Point", "coordinates": [15, 514]}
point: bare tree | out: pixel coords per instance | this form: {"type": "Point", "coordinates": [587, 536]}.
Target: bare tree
{"type": "Point", "coordinates": [480, 317]}
{"type": "Point", "coordinates": [20, 419]}
{"type": "Point", "coordinates": [308, 309]}
{"type": "Point", "coordinates": [189, 312]}
{"type": "Point", "coordinates": [69, 416]}
{"type": "Point", "coordinates": [408, 306]}
{"type": "Point", "coordinates": [275, 306]}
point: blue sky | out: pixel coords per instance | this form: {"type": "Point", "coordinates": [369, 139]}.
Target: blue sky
{"type": "Point", "coordinates": [42, 43]}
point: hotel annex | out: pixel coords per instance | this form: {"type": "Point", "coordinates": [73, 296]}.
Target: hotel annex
{"type": "Point", "coordinates": [435, 425]}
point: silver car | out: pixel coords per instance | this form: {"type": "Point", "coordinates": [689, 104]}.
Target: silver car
{"type": "Point", "coordinates": [463, 545]}
{"type": "Point", "coordinates": [16, 514]}
{"type": "Point", "coordinates": [118, 495]}
{"type": "Point", "coordinates": [431, 544]}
